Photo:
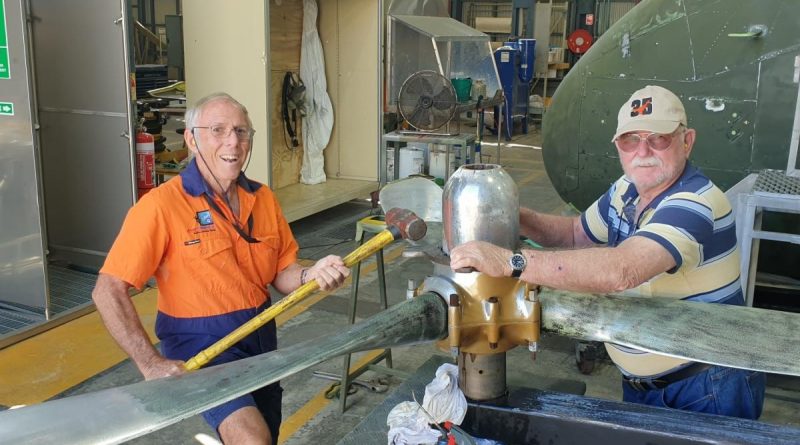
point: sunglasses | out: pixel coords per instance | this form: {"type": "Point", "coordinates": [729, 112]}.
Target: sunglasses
{"type": "Point", "coordinates": [629, 142]}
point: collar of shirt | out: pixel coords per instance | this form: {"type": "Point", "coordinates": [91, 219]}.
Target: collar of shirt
{"type": "Point", "coordinates": [195, 185]}
{"type": "Point", "coordinates": [630, 196]}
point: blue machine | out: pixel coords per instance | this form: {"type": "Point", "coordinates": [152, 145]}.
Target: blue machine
{"type": "Point", "coordinates": [515, 66]}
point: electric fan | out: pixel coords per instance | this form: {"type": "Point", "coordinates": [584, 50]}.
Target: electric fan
{"type": "Point", "coordinates": [427, 101]}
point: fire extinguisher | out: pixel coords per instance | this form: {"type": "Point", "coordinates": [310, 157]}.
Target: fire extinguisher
{"type": "Point", "coordinates": [145, 161]}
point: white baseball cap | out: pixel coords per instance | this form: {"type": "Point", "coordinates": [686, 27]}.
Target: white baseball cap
{"type": "Point", "coordinates": [652, 108]}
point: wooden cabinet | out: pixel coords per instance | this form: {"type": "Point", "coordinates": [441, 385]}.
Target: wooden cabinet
{"type": "Point", "coordinates": [245, 47]}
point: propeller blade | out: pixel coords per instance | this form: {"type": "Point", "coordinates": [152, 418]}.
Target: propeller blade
{"type": "Point", "coordinates": [734, 336]}
{"type": "Point", "coordinates": [720, 334]}
{"type": "Point", "coordinates": [119, 414]}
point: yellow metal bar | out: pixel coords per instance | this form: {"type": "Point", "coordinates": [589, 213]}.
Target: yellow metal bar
{"type": "Point", "coordinates": [375, 244]}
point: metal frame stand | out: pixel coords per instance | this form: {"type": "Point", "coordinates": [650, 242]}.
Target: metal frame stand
{"type": "Point", "coordinates": [465, 141]}
{"type": "Point", "coordinates": [772, 190]}
{"type": "Point", "coordinates": [370, 224]}
{"type": "Point", "coordinates": [769, 190]}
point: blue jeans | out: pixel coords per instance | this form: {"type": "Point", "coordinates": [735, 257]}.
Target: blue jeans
{"type": "Point", "coordinates": [724, 391]}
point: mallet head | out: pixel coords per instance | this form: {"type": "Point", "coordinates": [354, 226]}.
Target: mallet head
{"type": "Point", "coordinates": [409, 225]}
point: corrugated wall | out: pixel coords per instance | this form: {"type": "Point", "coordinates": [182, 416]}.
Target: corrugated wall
{"type": "Point", "coordinates": [607, 13]}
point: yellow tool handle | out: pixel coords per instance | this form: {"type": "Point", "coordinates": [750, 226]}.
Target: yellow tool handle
{"type": "Point", "coordinates": [374, 244]}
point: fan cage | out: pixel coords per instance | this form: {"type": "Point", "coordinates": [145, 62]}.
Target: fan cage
{"type": "Point", "coordinates": [427, 100]}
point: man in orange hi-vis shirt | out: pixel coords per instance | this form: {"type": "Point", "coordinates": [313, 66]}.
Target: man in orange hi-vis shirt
{"type": "Point", "coordinates": [214, 240]}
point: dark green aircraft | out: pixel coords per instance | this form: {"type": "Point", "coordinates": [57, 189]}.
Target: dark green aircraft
{"type": "Point", "coordinates": [732, 62]}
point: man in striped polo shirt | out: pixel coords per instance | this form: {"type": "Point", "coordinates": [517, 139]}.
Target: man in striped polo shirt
{"type": "Point", "coordinates": [663, 229]}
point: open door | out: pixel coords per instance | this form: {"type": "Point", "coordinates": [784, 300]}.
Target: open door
{"type": "Point", "coordinates": [66, 155]}
{"type": "Point", "coordinates": [22, 260]}
{"type": "Point", "coordinates": [80, 52]}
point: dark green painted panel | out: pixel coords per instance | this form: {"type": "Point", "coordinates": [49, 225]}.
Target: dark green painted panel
{"type": "Point", "coordinates": [560, 151]}
{"type": "Point", "coordinates": [722, 110]}
{"type": "Point", "coordinates": [738, 92]}
{"type": "Point", "coordinates": [777, 95]}
{"type": "Point", "coordinates": [710, 26]}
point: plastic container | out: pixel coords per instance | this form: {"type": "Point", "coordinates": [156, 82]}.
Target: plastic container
{"type": "Point", "coordinates": [412, 162]}
{"type": "Point", "coordinates": [438, 159]}
{"type": "Point", "coordinates": [463, 87]}
{"type": "Point", "coordinates": [390, 164]}
{"type": "Point", "coordinates": [478, 89]}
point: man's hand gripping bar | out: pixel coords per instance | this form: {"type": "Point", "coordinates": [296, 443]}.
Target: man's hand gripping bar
{"type": "Point", "coordinates": [400, 223]}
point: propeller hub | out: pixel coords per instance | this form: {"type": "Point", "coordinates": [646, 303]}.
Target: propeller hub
{"type": "Point", "coordinates": [486, 317]}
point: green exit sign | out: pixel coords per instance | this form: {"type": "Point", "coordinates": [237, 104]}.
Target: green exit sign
{"type": "Point", "coordinates": [5, 71]}
{"type": "Point", "coordinates": [6, 109]}
{"type": "Point", "coordinates": [3, 36]}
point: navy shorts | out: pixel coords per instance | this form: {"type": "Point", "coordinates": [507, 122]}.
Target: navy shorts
{"type": "Point", "coordinates": [266, 399]}
{"type": "Point", "coordinates": [183, 346]}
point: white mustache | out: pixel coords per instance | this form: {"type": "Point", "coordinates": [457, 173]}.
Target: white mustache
{"type": "Point", "coordinates": [651, 161]}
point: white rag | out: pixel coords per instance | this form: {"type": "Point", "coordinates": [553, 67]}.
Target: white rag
{"type": "Point", "coordinates": [409, 422]}
{"type": "Point", "coordinates": [443, 398]}
{"type": "Point", "coordinates": [408, 425]}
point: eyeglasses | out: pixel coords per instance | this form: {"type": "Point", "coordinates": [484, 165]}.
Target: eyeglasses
{"type": "Point", "coordinates": [243, 134]}
{"type": "Point", "coordinates": [629, 142]}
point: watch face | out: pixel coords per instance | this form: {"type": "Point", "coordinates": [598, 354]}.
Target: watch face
{"type": "Point", "coordinates": [518, 261]}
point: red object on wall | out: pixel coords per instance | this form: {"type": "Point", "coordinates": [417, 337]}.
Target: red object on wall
{"type": "Point", "coordinates": [579, 41]}
{"type": "Point", "coordinates": [145, 162]}
{"type": "Point", "coordinates": [589, 19]}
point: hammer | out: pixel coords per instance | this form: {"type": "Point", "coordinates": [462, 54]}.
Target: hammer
{"type": "Point", "coordinates": [400, 223]}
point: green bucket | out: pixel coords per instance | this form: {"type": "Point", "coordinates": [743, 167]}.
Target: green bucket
{"type": "Point", "coordinates": [463, 88]}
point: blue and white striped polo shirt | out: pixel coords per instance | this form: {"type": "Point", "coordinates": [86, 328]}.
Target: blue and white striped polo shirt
{"type": "Point", "coordinates": [694, 221]}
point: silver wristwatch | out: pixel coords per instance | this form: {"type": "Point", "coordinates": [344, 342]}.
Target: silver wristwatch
{"type": "Point", "coordinates": [518, 263]}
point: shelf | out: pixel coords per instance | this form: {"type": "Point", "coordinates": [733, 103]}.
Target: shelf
{"type": "Point", "coordinates": [558, 65]}
{"type": "Point", "coordinates": [301, 200]}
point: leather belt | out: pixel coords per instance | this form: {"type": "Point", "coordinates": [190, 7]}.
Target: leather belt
{"type": "Point", "coordinates": [647, 384]}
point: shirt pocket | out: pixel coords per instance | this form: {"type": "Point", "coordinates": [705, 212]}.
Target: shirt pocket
{"type": "Point", "coordinates": [206, 248]}
{"type": "Point", "coordinates": [266, 254]}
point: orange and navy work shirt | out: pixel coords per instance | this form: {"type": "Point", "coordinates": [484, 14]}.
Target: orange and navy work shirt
{"type": "Point", "coordinates": [204, 268]}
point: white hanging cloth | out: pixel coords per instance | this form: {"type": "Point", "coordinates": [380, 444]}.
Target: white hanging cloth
{"type": "Point", "coordinates": [318, 122]}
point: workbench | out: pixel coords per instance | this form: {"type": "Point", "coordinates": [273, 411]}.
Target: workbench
{"type": "Point", "coordinates": [466, 142]}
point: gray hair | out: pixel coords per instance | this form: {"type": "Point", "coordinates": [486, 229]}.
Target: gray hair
{"type": "Point", "coordinates": [193, 113]}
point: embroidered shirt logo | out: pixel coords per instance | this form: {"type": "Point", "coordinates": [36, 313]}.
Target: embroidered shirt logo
{"type": "Point", "coordinates": [204, 218]}
{"type": "Point", "coordinates": [642, 107]}
{"type": "Point", "coordinates": [206, 223]}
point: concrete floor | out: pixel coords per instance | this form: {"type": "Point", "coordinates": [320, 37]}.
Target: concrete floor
{"type": "Point", "coordinates": [310, 418]}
